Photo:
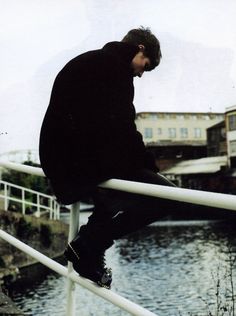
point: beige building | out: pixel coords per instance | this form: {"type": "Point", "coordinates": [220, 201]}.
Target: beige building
{"type": "Point", "coordinates": [231, 134]}
{"type": "Point", "coordinates": [176, 127]}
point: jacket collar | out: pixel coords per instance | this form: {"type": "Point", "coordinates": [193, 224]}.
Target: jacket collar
{"type": "Point", "coordinates": [124, 52]}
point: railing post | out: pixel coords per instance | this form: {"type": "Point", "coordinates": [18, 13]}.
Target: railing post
{"type": "Point", "coordinates": [51, 208]}
{"type": "Point", "coordinates": [55, 210]}
{"type": "Point", "coordinates": [38, 206]}
{"type": "Point", "coordinates": [73, 229]}
{"type": "Point", "coordinates": [5, 197]}
{"type": "Point", "coordinates": [58, 211]}
{"type": "Point", "coordinates": [23, 201]}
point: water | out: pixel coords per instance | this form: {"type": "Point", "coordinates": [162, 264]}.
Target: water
{"type": "Point", "coordinates": [171, 268]}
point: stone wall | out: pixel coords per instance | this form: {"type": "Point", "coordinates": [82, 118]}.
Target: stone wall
{"type": "Point", "coordinates": [47, 236]}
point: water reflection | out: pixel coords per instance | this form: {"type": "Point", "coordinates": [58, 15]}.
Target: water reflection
{"type": "Point", "coordinates": [170, 268]}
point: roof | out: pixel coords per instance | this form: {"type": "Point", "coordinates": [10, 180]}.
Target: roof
{"type": "Point", "coordinates": [202, 165]}
{"type": "Point", "coordinates": [220, 124]}
{"type": "Point", "coordinates": [170, 143]}
{"type": "Point", "coordinates": [178, 112]}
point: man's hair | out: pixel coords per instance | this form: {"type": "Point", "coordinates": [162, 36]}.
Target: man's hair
{"type": "Point", "coordinates": [143, 36]}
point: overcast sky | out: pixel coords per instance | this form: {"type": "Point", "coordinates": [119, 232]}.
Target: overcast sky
{"type": "Point", "coordinates": [197, 72]}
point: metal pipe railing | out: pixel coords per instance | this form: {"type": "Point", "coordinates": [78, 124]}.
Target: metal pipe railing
{"type": "Point", "coordinates": [219, 200]}
{"type": "Point", "coordinates": [51, 208]}
{"type": "Point", "coordinates": [73, 229]}
{"type": "Point", "coordinates": [206, 198]}
{"type": "Point", "coordinates": [72, 277]}
{"type": "Point", "coordinates": [108, 295]}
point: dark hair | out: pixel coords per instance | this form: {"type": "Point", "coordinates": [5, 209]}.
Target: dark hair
{"type": "Point", "coordinates": [143, 36]}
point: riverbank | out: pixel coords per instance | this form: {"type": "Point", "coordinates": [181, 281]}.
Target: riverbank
{"type": "Point", "coordinates": [47, 236]}
{"type": "Point", "coordinates": [7, 307]}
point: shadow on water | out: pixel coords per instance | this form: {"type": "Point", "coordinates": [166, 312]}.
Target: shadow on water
{"type": "Point", "coordinates": [170, 268]}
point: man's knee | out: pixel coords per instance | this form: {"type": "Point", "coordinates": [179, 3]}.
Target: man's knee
{"type": "Point", "coordinates": [148, 176]}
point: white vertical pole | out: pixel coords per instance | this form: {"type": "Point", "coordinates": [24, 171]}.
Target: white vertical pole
{"type": "Point", "coordinates": [5, 199]}
{"type": "Point", "coordinates": [54, 210]}
{"type": "Point", "coordinates": [51, 208]}
{"type": "Point", "coordinates": [58, 211]}
{"type": "Point", "coordinates": [73, 229]}
{"type": "Point", "coordinates": [23, 201]}
{"type": "Point", "coordinates": [38, 206]}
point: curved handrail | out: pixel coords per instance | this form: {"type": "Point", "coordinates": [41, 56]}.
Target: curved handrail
{"type": "Point", "coordinates": [220, 200]}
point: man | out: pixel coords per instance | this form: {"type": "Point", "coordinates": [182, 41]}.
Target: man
{"type": "Point", "coordinates": [89, 135]}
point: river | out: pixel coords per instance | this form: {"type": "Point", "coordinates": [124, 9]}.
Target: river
{"type": "Point", "coordinates": [172, 268]}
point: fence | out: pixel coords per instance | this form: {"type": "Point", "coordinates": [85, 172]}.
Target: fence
{"type": "Point", "coordinates": [45, 204]}
{"type": "Point", "coordinates": [185, 195]}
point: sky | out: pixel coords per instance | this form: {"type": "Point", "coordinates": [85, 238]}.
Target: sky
{"type": "Point", "coordinates": [197, 72]}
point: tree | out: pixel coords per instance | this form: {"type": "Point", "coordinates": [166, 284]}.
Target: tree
{"type": "Point", "coordinates": [27, 180]}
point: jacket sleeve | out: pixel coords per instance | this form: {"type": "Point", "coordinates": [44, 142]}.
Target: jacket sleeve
{"type": "Point", "coordinates": [130, 147]}
{"type": "Point", "coordinates": [150, 161]}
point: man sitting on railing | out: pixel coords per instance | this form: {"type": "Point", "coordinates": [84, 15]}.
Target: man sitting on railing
{"type": "Point", "coordinates": [89, 136]}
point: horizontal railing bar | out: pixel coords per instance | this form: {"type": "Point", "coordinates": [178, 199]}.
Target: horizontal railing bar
{"type": "Point", "coordinates": [108, 295]}
{"type": "Point", "coordinates": [9, 184]}
{"type": "Point", "coordinates": [218, 200]}
{"type": "Point", "coordinates": [23, 168]}
{"type": "Point", "coordinates": [47, 208]}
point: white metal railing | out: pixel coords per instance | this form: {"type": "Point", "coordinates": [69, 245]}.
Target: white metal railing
{"type": "Point", "coordinates": [44, 203]}
{"type": "Point", "coordinates": [72, 277]}
{"type": "Point", "coordinates": [219, 200]}
{"type": "Point", "coordinates": [108, 295]}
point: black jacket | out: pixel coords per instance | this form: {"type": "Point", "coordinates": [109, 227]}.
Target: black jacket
{"type": "Point", "coordinates": [88, 134]}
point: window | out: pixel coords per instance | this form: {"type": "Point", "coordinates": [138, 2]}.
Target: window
{"type": "Point", "coordinates": [223, 132]}
{"type": "Point", "coordinates": [212, 135]}
{"type": "Point", "coordinates": [159, 131]}
{"type": "Point", "coordinates": [197, 132]}
{"type": "Point", "coordinates": [232, 122]}
{"type": "Point", "coordinates": [153, 116]}
{"type": "Point", "coordinates": [232, 146]}
{"type": "Point", "coordinates": [183, 132]}
{"type": "Point", "coordinates": [160, 115]}
{"type": "Point", "coordinates": [148, 132]}
{"type": "Point", "coordinates": [172, 132]}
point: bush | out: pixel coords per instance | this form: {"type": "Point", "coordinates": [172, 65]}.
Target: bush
{"type": "Point", "coordinates": [24, 229]}
{"type": "Point", "coordinates": [2, 263]}
{"type": "Point", "coordinates": [46, 235]}
{"type": "Point", "coordinates": [26, 180]}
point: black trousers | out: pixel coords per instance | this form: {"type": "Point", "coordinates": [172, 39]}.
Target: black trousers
{"type": "Point", "coordinates": [117, 213]}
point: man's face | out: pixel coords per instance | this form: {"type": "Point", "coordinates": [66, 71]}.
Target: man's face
{"type": "Point", "coordinates": [140, 63]}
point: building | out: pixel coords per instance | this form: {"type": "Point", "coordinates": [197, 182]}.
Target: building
{"type": "Point", "coordinates": [174, 136]}
{"type": "Point", "coordinates": [216, 140]}
{"type": "Point", "coordinates": [217, 172]}
{"type": "Point", "coordinates": [184, 127]}
{"type": "Point", "coordinates": [231, 135]}
{"type": "Point", "coordinates": [206, 174]}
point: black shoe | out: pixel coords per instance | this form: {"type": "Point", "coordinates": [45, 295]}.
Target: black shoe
{"type": "Point", "coordinates": [89, 263]}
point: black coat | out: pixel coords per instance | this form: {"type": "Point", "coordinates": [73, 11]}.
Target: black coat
{"type": "Point", "coordinates": [88, 134]}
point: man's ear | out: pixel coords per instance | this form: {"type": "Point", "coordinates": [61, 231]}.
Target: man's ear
{"type": "Point", "coordinates": [141, 48]}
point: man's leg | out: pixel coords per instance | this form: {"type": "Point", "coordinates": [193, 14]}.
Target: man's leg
{"type": "Point", "coordinates": [130, 212]}
{"type": "Point", "coordinates": [87, 250]}
{"type": "Point", "coordinates": [116, 214]}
